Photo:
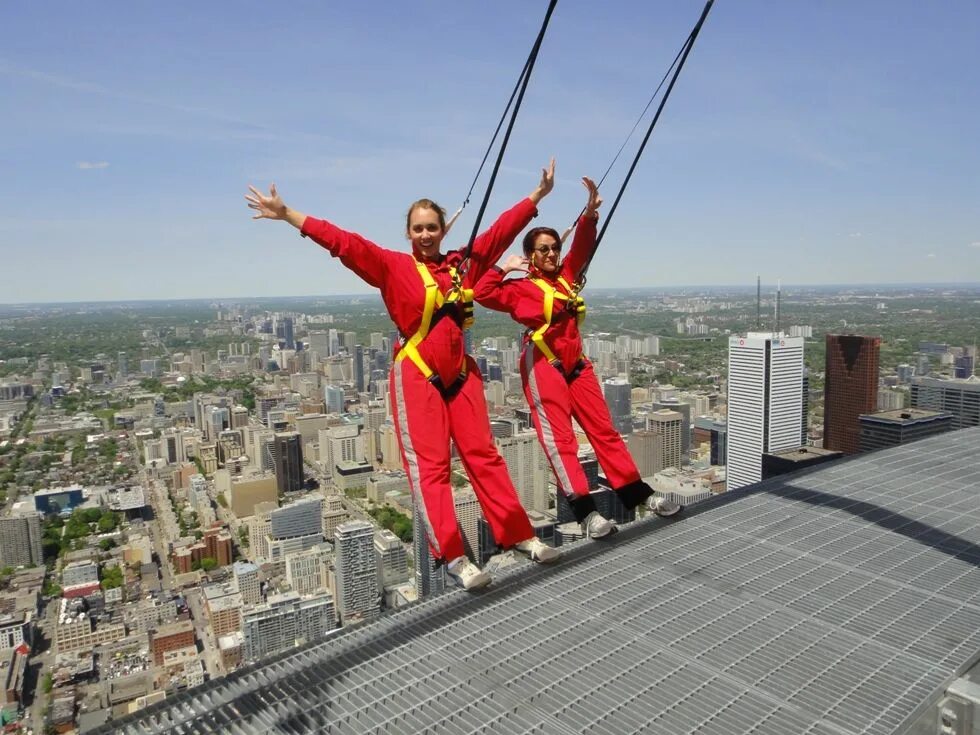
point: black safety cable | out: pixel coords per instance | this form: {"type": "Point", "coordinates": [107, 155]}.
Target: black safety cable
{"type": "Point", "coordinates": [689, 44]}
{"type": "Point", "coordinates": [510, 126]}
{"type": "Point", "coordinates": [493, 140]}
{"type": "Point", "coordinates": [636, 124]}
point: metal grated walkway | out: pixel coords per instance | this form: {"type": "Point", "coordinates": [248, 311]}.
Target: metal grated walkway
{"type": "Point", "coordinates": [836, 601]}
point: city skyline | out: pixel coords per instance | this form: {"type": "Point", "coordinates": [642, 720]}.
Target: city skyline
{"type": "Point", "coordinates": [790, 140]}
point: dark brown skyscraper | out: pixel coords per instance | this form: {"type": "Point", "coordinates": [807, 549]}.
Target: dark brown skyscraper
{"type": "Point", "coordinates": [850, 389]}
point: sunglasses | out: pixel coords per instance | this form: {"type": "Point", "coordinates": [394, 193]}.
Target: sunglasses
{"type": "Point", "coordinates": [556, 248]}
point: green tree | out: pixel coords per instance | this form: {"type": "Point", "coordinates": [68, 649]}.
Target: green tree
{"type": "Point", "coordinates": [112, 577]}
{"type": "Point", "coordinates": [106, 544]}
{"type": "Point", "coordinates": [207, 563]}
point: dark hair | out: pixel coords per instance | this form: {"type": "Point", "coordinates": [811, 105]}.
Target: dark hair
{"type": "Point", "coordinates": [532, 235]}
{"type": "Point", "coordinates": [425, 204]}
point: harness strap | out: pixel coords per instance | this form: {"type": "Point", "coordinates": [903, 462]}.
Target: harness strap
{"type": "Point", "coordinates": [573, 303]}
{"type": "Point", "coordinates": [458, 304]}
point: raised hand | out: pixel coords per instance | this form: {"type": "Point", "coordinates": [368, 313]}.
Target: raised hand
{"type": "Point", "coordinates": [595, 201]}
{"type": "Point", "coordinates": [267, 207]}
{"type": "Point", "coordinates": [546, 184]}
{"type": "Point", "coordinates": [515, 263]}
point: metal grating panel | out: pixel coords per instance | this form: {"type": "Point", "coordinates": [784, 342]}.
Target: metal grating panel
{"type": "Point", "coordinates": [831, 602]}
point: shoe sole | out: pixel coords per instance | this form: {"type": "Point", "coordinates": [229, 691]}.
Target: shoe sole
{"type": "Point", "coordinates": [672, 513]}
{"type": "Point", "coordinates": [611, 532]}
{"type": "Point", "coordinates": [478, 583]}
{"type": "Point", "coordinates": [548, 557]}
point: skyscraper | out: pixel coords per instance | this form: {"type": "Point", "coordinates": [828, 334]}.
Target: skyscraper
{"type": "Point", "coordinates": [765, 391]}
{"type": "Point", "coordinates": [359, 368]}
{"type": "Point", "coordinates": [850, 389]}
{"type": "Point", "coordinates": [959, 397]}
{"type": "Point", "coordinates": [670, 426]}
{"type": "Point", "coordinates": [468, 513]}
{"type": "Point", "coordinates": [285, 621]}
{"type": "Point", "coordinates": [617, 394]}
{"type": "Point", "coordinates": [430, 578]}
{"type": "Point", "coordinates": [20, 539]}
{"type": "Point", "coordinates": [527, 467]}
{"type": "Point", "coordinates": [392, 561]}
{"type": "Point", "coordinates": [357, 572]}
{"type": "Point", "coordinates": [287, 451]}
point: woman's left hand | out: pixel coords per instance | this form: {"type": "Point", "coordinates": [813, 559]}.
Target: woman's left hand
{"type": "Point", "coordinates": [595, 201]}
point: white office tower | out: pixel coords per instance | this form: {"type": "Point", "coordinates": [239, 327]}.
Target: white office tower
{"type": "Point", "coordinates": [765, 391]}
{"type": "Point", "coordinates": [389, 553]}
{"type": "Point", "coordinates": [527, 467]}
{"type": "Point", "coordinates": [430, 578]}
{"type": "Point", "coordinates": [357, 572]}
{"type": "Point", "coordinates": [306, 571]}
{"type": "Point", "coordinates": [468, 515]}
{"type": "Point", "coordinates": [285, 621]}
{"type": "Point", "coordinates": [247, 579]}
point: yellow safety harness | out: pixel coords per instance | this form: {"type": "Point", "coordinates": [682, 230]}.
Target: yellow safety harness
{"type": "Point", "coordinates": [458, 305]}
{"type": "Point", "coordinates": [574, 304]}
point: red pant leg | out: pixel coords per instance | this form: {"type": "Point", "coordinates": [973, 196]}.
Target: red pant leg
{"type": "Point", "coordinates": [550, 401]}
{"type": "Point", "coordinates": [469, 424]}
{"type": "Point", "coordinates": [422, 425]}
{"type": "Point", "coordinates": [592, 413]}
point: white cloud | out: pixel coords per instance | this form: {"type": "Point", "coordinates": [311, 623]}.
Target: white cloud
{"type": "Point", "coordinates": [931, 255]}
{"type": "Point", "coordinates": [89, 165]}
{"type": "Point", "coordinates": [975, 244]}
{"type": "Point", "coordinates": [855, 235]}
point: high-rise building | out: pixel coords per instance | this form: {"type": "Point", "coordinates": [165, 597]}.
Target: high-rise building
{"type": "Point", "coordinates": [685, 410]}
{"type": "Point", "coordinates": [527, 467]}
{"type": "Point", "coordinates": [765, 385]}
{"type": "Point", "coordinates": [306, 571]}
{"type": "Point", "coordinates": [333, 396]}
{"type": "Point", "coordinates": [891, 428]}
{"type": "Point", "coordinates": [963, 366]}
{"type": "Point", "coordinates": [300, 518]}
{"type": "Point", "coordinates": [247, 579]}
{"type": "Point", "coordinates": [468, 514]}
{"type": "Point", "coordinates": [618, 397]}
{"type": "Point", "coordinates": [122, 366]}
{"type": "Point", "coordinates": [430, 578]}
{"type": "Point", "coordinates": [358, 356]}
{"type": "Point", "coordinates": [670, 427]}
{"type": "Point", "coordinates": [287, 451]}
{"type": "Point", "coordinates": [285, 621]}
{"type": "Point", "coordinates": [850, 389]}
{"type": "Point", "coordinates": [958, 397]}
{"type": "Point", "coordinates": [20, 539]}
{"type": "Point", "coordinates": [392, 561]}
{"type": "Point", "coordinates": [357, 572]}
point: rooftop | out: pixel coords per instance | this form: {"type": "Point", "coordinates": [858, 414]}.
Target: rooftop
{"type": "Point", "coordinates": [834, 601]}
{"type": "Point", "coordinates": [902, 415]}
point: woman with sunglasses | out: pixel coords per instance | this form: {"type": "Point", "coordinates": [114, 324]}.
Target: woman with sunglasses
{"type": "Point", "coordinates": [435, 388]}
{"type": "Point", "coordinates": [559, 381]}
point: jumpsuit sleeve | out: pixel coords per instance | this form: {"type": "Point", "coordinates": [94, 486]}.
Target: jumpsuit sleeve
{"type": "Point", "coordinates": [363, 257]}
{"type": "Point", "coordinates": [583, 245]}
{"type": "Point", "coordinates": [493, 292]}
{"type": "Point", "coordinates": [491, 244]}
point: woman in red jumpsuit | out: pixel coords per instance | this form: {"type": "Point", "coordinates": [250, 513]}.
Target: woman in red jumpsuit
{"type": "Point", "coordinates": [559, 381]}
{"type": "Point", "coordinates": [436, 389]}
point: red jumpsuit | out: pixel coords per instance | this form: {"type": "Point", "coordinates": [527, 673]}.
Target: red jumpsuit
{"type": "Point", "coordinates": [556, 393]}
{"type": "Point", "coordinates": [425, 419]}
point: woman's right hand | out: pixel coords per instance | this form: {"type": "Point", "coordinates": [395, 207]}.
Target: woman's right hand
{"type": "Point", "coordinates": [595, 201]}
{"type": "Point", "coordinates": [268, 207]}
{"type": "Point", "coordinates": [515, 263]}
{"type": "Point", "coordinates": [546, 184]}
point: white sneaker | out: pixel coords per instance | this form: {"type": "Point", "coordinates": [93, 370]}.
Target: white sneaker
{"type": "Point", "coordinates": [663, 507]}
{"type": "Point", "coordinates": [466, 574]}
{"type": "Point", "coordinates": [538, 550]}
{"type": "Point", "coordinates": [597, 526]}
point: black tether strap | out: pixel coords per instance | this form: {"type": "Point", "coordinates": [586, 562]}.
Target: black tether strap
{"type": "Point", "coordinates": [685, 50]}
{"type": "Point", "coordinates": [529, 67]}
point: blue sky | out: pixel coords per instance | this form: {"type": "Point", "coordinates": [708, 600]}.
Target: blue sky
{"type": "Point", "coordinates": [830, 142]}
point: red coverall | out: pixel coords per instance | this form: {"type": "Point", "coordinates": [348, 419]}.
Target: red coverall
{"type": "Point", "coordinates": [556, 393]}
{"type": "Point", "coordinates": [424, 419]}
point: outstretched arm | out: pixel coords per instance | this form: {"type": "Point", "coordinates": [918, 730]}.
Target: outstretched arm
{"type": "Point", "coordinates": [493, 292]}
{"type": "Point", "coordinates": [490, 245]}
{"type": "Point", "coordinates": [358, 254]}
{"type": "Point", "coordinates": [585, 234]}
